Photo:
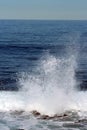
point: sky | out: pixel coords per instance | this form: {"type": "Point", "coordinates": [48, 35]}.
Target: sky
{"type": "Point", "coordinates": [43, 9]}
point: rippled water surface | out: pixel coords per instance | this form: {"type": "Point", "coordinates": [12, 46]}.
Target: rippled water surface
{"type": "Point", "coordinates": [43, 69]}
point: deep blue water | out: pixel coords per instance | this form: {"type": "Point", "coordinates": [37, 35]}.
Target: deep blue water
{"type": "Point", "coordinates": [24, 42]}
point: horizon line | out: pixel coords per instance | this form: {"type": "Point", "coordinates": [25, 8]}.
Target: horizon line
{"type": "Point", "coordinates": [43, 19]}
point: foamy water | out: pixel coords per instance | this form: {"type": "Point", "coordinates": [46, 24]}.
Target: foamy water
{"type": "Point", "coordinates": [50, 89]}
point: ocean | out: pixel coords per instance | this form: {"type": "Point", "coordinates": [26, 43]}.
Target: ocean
{"type": "Point", "coordinates": [43, 75]}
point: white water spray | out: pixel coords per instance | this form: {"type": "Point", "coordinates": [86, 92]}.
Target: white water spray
{"type": "Point", "coordinates": [51, 89]}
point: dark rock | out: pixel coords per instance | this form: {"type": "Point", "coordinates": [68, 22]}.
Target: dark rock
{"type": "Point", "coordinates": [65, 115]}
{"type": "Point", "coordinates": [35, 113]}
{"type": "Point", "coordinates": [45, 117]}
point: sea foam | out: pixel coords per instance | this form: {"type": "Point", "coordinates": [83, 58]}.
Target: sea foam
{"type": "Point", "coordinates": [50, 89]}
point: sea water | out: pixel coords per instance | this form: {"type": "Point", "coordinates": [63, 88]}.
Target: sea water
{"type": "Point", "coordinates": [43, 68]}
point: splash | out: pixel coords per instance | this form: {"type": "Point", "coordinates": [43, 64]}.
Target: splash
{"type": "Point", "coordinates": [50, 89]}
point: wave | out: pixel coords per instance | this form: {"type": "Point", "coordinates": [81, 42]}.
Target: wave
{"type": "Point", "coordinates": [50, 89]}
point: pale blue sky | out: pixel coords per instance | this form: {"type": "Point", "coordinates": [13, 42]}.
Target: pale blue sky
{"type": "Point", "coordinates": [43, 9]}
